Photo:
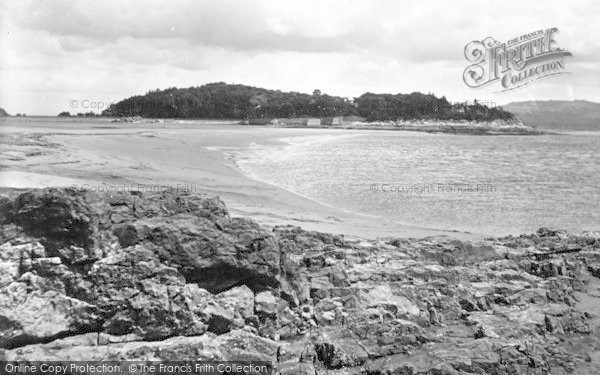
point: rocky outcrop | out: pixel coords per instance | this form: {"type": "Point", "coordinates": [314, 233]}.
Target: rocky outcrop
{"type": "Point", "coordinates": [168, 276]}
{"type": "Point", "coordinates": [494, 127]}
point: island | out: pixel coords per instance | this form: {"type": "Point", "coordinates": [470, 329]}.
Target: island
{"type": "Point", "coordinates": [258, 106]}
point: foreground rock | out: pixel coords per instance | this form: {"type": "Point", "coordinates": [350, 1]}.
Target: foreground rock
{"type": "Point", "coordinates": [170, 276]}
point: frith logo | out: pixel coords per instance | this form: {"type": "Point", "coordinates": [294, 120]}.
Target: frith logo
{"type": "Point", "coordinates": [515, 63]}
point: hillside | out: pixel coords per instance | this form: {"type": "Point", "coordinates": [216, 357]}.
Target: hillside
{"type": "Point", "coordinates": [3, 113]}
{"type": "Point", "coordinates": [221, 100]}
{"type": "Point", "coordinates": [558, 114]}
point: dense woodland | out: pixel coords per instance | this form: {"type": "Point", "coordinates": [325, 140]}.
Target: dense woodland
{"type": "Point", "coordinates": [221, 100]}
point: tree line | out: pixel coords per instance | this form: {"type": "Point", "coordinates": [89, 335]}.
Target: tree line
{"type": "Point", "coordinates": [228, 101]}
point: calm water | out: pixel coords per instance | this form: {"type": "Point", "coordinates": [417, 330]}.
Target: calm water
{"type": "Point", "coordinates": [500, 185]}
{"type": "Point", "coordinates": [482, 184]}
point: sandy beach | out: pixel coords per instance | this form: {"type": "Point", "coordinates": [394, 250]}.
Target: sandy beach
{"type": "Point", "coordinates": [187, 155]}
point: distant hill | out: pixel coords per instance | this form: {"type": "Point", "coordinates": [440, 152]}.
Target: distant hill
{"type": "Point", "coordinates": [557, 114]}
{"type": "Point", "coordinates": [3, 113]}
{"type": "Point", "coordinates": [221, 100]}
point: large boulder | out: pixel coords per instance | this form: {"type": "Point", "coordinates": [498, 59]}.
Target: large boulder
{"type": "Point", "coordinates": [136, 264]}
{"type": "Point", "coordinates": [140, 295]}
{"type": "Point", "coordinates": [62, 218]}
{"type": "Point", "coordinates": [386, 297]}
{"type": "Point", "coordinates": [30, 318]}
{"type": "Point", "coordinates": [237, 345]}
{"type": "Point", "coordinates": [239, 299]}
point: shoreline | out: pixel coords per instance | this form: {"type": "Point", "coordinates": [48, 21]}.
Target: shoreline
{"type": "Point", "coordinates": [421, 126]}
{"type": "Point", "coordinates": [459, 128]}
{"type": "Point", "coordinates": [207, 157]}
{"type": "Point", "coordinates": [241, 157]}
{"type": "Point", "coordinates": [495, 127]}
{"type": "Point", "coordinates": [153, 155]}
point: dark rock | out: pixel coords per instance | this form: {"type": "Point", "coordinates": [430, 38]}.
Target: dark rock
{"type": "Point", "coordinates": [170, 275]}
{"type": "Point", "coordinates": [62, 218]}
{"type": "Point", "coordinates": [220, 320]}
{"type": "Point", "coordinates": [594, 269]}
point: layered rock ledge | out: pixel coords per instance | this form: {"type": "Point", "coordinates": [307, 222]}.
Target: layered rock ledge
{"type": "Point", "coordinates": [171, 276]}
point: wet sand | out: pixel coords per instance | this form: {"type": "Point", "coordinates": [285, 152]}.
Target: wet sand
{"type": "Point", "coordinates": [98, 154]}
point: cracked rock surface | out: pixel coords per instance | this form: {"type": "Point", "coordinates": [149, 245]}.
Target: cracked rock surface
{"type": "Point", "coordinates": [171, 276]}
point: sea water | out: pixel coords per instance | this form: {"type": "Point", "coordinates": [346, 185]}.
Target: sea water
{"type": "Point", "coordinates": [481, 184]}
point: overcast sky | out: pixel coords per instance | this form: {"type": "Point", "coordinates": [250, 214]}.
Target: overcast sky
{"type": "Point", "coordinates": [53, 52]}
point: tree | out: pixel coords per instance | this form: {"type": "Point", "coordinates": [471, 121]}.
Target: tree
{"type": "Point", "coordinates": [221, 100]}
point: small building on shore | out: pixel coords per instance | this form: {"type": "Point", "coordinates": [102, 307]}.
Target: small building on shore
{"type": "Point", "coordinates": [332, 121]}
{"type": "Point", "coordinates": [313, 122]}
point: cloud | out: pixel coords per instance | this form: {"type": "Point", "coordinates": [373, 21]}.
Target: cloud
{"type": "Point", "coordinates": [240, 25]}
{"type": "Point", "coordinates": [53, 50]}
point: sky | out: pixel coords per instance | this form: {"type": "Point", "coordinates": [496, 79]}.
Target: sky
{"type": "Point", "coordinates": [54, 54]}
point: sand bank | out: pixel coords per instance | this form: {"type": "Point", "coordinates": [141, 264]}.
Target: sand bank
{"type": "Point", "coordinates": [180, 156]}
{"type": "Point", "coordinates": [19, 180]}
